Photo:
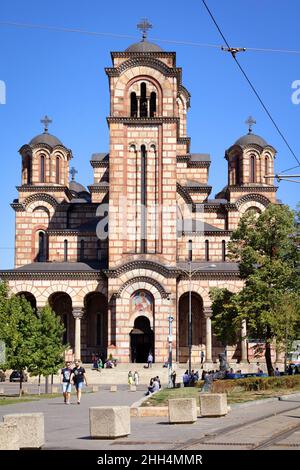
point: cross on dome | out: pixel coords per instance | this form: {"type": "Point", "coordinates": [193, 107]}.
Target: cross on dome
{"type": "Point", "coordinates": [144, 26]}
{"type": "Point", "coordinates": [46, 121]}
{"type": "Point", "coordinates": [250, 123]}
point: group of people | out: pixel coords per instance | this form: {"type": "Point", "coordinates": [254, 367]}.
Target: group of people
{"type": "Point", "coordinates": [189, 380]}
{"type": "Point", "coordinates": [99, 364]}
{"type": "Point", "coordinates": [133, 378]}
{"type": "Point", "coordinates": [154, 385]}
{"type": "Point", "coordinates": [75, 375]}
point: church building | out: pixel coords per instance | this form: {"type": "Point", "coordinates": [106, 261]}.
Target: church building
{"type": "Point", "coordinates": [119, 260]}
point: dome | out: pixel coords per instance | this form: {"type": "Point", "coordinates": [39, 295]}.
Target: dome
{"type": "Point", "coordinates": [46, 138]}
{"type": "Point", "coordinates": [144, 46]}
{"type": "Point", "coordinates": [77, 187]}
{"type": "Point", "coordinates": [249, 139]}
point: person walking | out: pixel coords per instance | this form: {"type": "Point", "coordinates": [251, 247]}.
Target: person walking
{"type": "Point", "coordinates": [150, 359]}
{"type": "Point", "coordinates": [130, 378]}
{"type": "Point", "coordinates": [79, 377]}
{"type": "Point", "coordinates": [202, 356]}
{"type": "Point", "coordinates": [136, 378]}
{"type": "Point", "coordinates": [173, 378]}
{"type": "Point", "coordinates": [66, 382]}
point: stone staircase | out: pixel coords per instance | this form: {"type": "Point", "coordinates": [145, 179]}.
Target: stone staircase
{"type": "Point", "coordinates": [119, 375]}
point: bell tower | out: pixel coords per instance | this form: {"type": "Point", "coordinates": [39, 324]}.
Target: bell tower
{"type": "Point", "coordinates": [147, 130]}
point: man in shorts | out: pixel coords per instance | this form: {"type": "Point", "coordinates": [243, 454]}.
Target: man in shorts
{"type": "Point", "coordinates": [66, 382]}
{"type": "Point", "coordinates": [78, 375]}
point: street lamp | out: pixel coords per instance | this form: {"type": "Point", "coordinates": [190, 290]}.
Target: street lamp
{"type": "Point", "coordinates": [170, 339]}
{"type": "Point", "coordinates": [190, 273]}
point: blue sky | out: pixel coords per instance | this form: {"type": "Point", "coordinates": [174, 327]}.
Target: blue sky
{"type": "Point", "coordinates": [62, 75]}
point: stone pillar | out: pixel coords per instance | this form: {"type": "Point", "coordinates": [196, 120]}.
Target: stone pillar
{"type": "Point", "coordinates": [244, 346]}
{"type": "Point", "coordinates": [207, 314]}
{"type": "Point", "coordinates": [78, 314]}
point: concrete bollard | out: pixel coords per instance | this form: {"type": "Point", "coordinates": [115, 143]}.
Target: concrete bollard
{"type": "Point", "coordinates": [132, 388]}
{"type": "Point", "coordinates": [31, 429]}
{"type": "Point", "coordinates": [113, 388]}
{"type": "Point", "coordinates": [182, 410]}
{"type": "Point", "coordinates": [213, 404]}
{"type": "Point", "coordinates": [1, 390]}
{"type": "Point", "coordinates": [109, 422]}
{"type": "Point", "coordinates": [9, 437]}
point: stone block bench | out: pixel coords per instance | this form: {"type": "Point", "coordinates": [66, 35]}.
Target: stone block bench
{"type": "Point", "coordinates": [213, 404]}
{"type": "Point", "coordinates": [182, 410]}
{"type": "Point", "coordinates": [109, 422]}
{"type": "Point", "coordinates": [9, 437]}
{"type": "Point", "coordinates": [31, 429]}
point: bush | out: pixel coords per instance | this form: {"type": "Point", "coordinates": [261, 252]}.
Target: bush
{"type": "Point", "coordinates": [254, 384]}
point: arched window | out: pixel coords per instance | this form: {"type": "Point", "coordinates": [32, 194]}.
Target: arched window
{"type": "Point", "coordinates": [81, 252]}
{"type": "Point", "coordinates": [133, 105]}
{"type": "Point", "coordinates": [143, 101]}
{"type": "Point", "coordinates": [153, 104]}
{"type": "Point", "coordinates": [206, 250]}
{"type": "Point", "coordinates": [98, 249]}
{"type": "Point", "coordinates": [266, 168]}
{"type": "Point", "coordinates": [190, 250]}
{"type": "Point", "coordinates": [252, 169]}
{"type": "Point", "coordinates": [57, 171]}
{"type": "Point", "coordinates": [42, 247]}
{"type": "Point", "coordinates": [237, 170]}
{"type": "Point", "coordinates": [65, 250]}
{"type": "Point", "coordinates": [223, 250]}
{"type": "Point", "coordinates": [42, 169]}
{"type": "Point", "coordinates": [143, 198]}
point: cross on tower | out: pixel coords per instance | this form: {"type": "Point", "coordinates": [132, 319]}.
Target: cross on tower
{"type": "Point", "coordinates": [144, 25]}
{"type": "Point", "coordinates": [73, 172]}
{"type": "Point", "coordinates": [46, 121]}
{"type": "Point", "coordinates": [250, 123]}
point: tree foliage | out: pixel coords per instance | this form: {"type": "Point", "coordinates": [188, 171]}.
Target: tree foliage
{"type": "Point", "coordinates": [267, 249]}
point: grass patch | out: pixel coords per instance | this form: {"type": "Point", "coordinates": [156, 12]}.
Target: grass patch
{"type": "Point", "coordinates": [12, 400]}
{"type": "Point", "coordinates": [238, 391]}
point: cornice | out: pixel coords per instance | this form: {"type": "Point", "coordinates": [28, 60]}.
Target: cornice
{"type": "Point", "coordinates": [116, 54]}
{"type": "Point", "coordinates": [223, 233]}
{"type": "Point", "coordinates": [186, 159]}
{"type": "Point", "coordinates": [18, 207]}
{"type": "Point", "coordinates": [30, 188]}
{"type": "Point", "coordinates": [167, 272]}
{"type": "Point", "coordinates": [252, 189]}
{"type": "Point", "coordinates": [199, 189]}
{"type": "Point", "coordinates": [98, 189]}
{"type": "Point", "coordinates": [97, 164]}
{"type": "Point", "coordinates": [53, 275]}
{"type": "Point", "coordinates": [142, 120]}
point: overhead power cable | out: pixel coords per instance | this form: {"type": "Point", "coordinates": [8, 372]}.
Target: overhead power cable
{"type": "Point", "coordinates": [124, 36]}
{"type": "Point", "coordinates": [230, 49]}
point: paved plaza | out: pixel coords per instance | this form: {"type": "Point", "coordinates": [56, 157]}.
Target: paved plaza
{"type": "Point", "coordinates": [246, 425]}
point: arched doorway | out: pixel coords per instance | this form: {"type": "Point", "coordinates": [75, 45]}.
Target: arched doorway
{"type": "Point", "coordinates": [61, 304]}
{"type": "Point", "coordinates": [141, 340]}
{"type": "Point", "coordinates": [141, 336]}
{"type": "Point", "coordinates": [29, 297]}
{"type": "Point", "coordinates": [198, 326]}
{"type": "Point", "coordinates": [96, 327]}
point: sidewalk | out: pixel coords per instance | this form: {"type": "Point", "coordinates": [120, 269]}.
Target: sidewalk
{"type": "Point", "coordinates": [67, 427]}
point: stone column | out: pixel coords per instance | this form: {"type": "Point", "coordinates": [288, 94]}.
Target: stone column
{"type": "Point", "coordinates": [244, 346]}
{"type": "Point", "coordinates": [207, 314]}
{"type": "Point", "coordinates": [78, 314]}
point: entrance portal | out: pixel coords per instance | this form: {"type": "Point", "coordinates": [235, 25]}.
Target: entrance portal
{"type": "Point", "coordinates": [141, 340]}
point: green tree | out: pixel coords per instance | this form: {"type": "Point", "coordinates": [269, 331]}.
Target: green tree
{"type": "Point", "coordinates": [19, 329]}
{"type": "Point", "coordinates": [49, 348]}
{"type": "Point", "coordinates": [267, 250]}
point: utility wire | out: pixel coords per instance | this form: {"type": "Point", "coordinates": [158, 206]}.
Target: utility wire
{"type": "Point", "coordinates": [123, 36]}
{"type": "Point", "coordinates": [252, 86]}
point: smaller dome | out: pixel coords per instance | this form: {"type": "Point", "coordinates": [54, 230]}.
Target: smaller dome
{"type": "Point", "coordinates": [77, 187]}
{"type": "Point", "coordinates": [249, 139]}
{"type": "Point", "coordinates": [45, 138]}
{"type": "Point", "coordinates": [144, 46]}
